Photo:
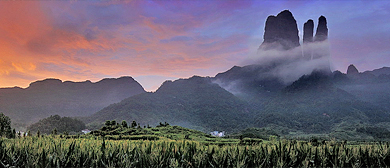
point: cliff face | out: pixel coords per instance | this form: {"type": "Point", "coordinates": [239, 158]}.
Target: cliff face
{"type": "Point", "coordinates": [281, 32]}
{"type": "Point", "coordinates": [308, 28]}
{"type": "Point", "coordinates": [322, 29]}
{"type": "Point", "coordinates": [281, 41]}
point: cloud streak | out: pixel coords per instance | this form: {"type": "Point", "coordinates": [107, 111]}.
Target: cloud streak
{"type": "Point", "coordinates": [172, 39]}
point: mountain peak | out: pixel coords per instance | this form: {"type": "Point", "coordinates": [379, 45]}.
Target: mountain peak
{"type": "Point", "coordinates": [123, 79]}
{"type": "Point", "coordinates": [352, 70]}
{"type": "Point", "coordinates": [322, 29]}
{"type": "Point", "coordinates": [308, 28]}
{"type": "Point", "coordinates": [285, 14]}
{"type": "Point", "coordinates": [281, 31]}
{"type": "Point", "coordinates": [49, 82]}
{"type": "Point", "coordinates": [53, 96]}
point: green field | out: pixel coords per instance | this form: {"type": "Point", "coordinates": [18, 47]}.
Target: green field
{"type": "Point", "coordinates": [91, 151]}
{"type": "Point", "coordinates": [122, 145]}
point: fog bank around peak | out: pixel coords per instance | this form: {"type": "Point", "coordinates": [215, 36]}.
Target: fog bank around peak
{"type": "Point", "coordinates": [281, 51]}
{"type": "Point", "coordinates": [289, 65]}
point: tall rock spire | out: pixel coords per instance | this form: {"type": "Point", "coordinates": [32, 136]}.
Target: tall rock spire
{"type": "Point", "coordinates": [281, 32]}
{"type": "Point", "coordinates": [308, 30]}
{"type": "Point", "coordinates": [322, 29]}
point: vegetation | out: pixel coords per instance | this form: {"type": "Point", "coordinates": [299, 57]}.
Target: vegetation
{"type": "Point", "coordinates": [115, 131]}
{"type": "Point", "coordinates": [122, 145]}
{"type": "Point", "coordinates": [314, 104]}
{"type": "Point", "coordinates": [96, 152]}
{"type": "Point", "coordinates": [57, 123]}
{"type": "Point", "coordinates": [65, 98]}
{"type": "Point", "coordinates": [5, 126]}
{"type": "Point", "coordinates": [195, 103]}
{"type": "Point", "coordinates": [260, 133]}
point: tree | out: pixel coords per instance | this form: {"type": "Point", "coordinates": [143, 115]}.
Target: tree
{"type": "Point", "coordinates": [38, 133]}
{"type": "Point", "coordinates": [62, 124]}
{"type": "Point", "coordinates": [54, 132]}
{"type": "Point", "coordinates": [133, 124]}
{"type": "Point", "coordinates": [13, 134]}
{"type": "Point", "coordinates": [124, 124]}
{"type": "Point", "coordinates": [5, 125]}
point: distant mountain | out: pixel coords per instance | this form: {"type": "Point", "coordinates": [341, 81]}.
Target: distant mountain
{"type": "Point", "coordinates": [52, 96]}
{"type": "Point", "coordinates": [370, 86]}
{"type": "Point", "coordinates": [314, 104]}
{"type": "Point", "coordinates": [380, 71]}
{"type": "Point", "coordinates": [251, 79]}
{"type": "Point", "coordinates": [193, 103]}
{"type": "Point", "coordinates": [289, 90]}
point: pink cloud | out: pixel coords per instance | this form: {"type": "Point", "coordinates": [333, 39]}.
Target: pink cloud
{"type": "Point", "coordinates": [90, 40]}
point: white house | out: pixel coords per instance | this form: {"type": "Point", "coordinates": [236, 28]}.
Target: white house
{"type": "Point", "coordinates": [85, 131]}
{"type": "Point", "coordinates": [217, 133]}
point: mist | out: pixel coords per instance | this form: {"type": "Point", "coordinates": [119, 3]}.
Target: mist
{"type": "Point", "coordinates": [270, 68]}
{"type": "Point", "coordinates": [290, 65]}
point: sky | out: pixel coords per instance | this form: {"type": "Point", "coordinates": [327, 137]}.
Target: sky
{"type": "Point", "coordinates": [154, 41]}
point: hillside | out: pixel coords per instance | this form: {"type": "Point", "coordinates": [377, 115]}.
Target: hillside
{"type": "Point", "coordinates": [133, 131]}
{"type": "Point", "coordinates": [370, 86]}
{"type": "Point", "coordinates": [60, 124]}
{"type": "Point", "coordinates": [52, 96]}
{"type": "Point", "coordinates": [314, 105]}
{"type": "Point", "coordinates": [288, 88]}
{"type": "Point", "coordinates": [193, 103]}
{"type": "Point", "coordinates": [250, 80]}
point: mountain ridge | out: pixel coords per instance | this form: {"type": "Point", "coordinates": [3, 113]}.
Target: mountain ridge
{"type": "Point", "coordinates": [195, 102]}
{"type": "Point", "coordinates": [290, 90]}
{"type": "Point", "coordinates": [52, 96]}
{"type": "Point", "coordinates": [314, 104]}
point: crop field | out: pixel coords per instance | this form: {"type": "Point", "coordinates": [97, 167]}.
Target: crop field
{"type": "Point", "coordinates": [50, 151]}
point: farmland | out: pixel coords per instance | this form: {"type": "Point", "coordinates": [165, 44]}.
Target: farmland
{"type": "Point", "coordinates": [93, 151]}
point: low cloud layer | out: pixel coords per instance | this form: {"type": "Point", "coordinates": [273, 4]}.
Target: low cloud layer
{"type": "Point", "coordinates": [290, 65]}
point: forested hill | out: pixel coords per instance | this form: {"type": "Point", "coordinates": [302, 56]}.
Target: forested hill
{"type": "Point", "coordinates": [314, 104]}
{"type": "Point", "coordinates": [52, 96]}
{"type": "Point", "coordinates": [193, 103]}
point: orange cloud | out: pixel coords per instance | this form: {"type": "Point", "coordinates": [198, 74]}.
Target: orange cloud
{"type": "Point", "coordinates": [55, 39]}
{"type": "Point", "coordinates": [18, 67]}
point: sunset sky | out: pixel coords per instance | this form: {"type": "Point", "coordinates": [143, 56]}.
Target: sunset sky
{"type": "Point", "coordinates": [153, 41]}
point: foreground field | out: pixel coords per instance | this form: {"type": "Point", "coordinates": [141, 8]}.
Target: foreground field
{"type": "Point", "coordinates": [60, 152]}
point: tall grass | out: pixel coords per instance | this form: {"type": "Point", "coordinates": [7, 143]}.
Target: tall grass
{"type": "Point", "coordinates": [58, 152]}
